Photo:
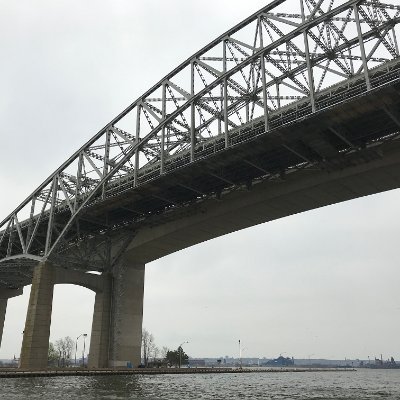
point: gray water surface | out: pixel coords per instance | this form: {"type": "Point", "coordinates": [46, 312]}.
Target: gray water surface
{"type": "Point", "coordinates": [361, 384]}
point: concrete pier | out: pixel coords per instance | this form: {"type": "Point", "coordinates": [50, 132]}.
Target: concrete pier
{"type": "Point", "coordinates": [100, 336]}
{"type": "Point", "coordinates": [117, 318]}
{"type": "Point", "coordinates": [35, 344]}
{"type": "Point", "coordinates": [127, 314]}
{"type": "Point", "coordinates": [6, 294]}
{"type": "Point", "coordinates": [3, 309]}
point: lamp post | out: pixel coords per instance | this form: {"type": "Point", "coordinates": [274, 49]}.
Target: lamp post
{"type": "Point", "coordinates": [76, 344]}
{"type": "Point", "coordinates": [309, 358]}
{"type": "Point", "coordinates": [180, 352]}
{"type": "Point", "coordinates": [83, 351]}
{"type": "Point", "coordinates": [240, 355]}
{"type": "Point", "coordinates": [241, 350]}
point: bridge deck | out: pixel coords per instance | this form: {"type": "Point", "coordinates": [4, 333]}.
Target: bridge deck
{"type": "Point", "coordinates": [352, 133]}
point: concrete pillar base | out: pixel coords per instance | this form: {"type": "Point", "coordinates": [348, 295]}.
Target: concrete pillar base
{"type": "Point", "coordinates": [6, 294]}
{"type": "Point", "coordinates": [100, 336]}
{"type": "Point", "coordinates": [35, 344]}
{"type": "Point", "coordinates": [127, 315]}
{"type": "Point", "coordinates": [3, 308]}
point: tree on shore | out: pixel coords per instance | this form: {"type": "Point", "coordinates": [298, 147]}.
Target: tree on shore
{"type": "Point", "coordinates": [177, 357]}
{"type": "Point", "coordinates": [149, 348]}
{"type": "Point", "coordinates": [150, 352]}
{"type": "Point", "coordinates": [164, 352]}
{"type": "Point", "coordinates": [53, 355]}
{"type": "Point", "coordinates": [65, 348]}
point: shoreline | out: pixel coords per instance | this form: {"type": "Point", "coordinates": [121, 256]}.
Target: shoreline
{"type": "Point", "coordinates": [17, 373]}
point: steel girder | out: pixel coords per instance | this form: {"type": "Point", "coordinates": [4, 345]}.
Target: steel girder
{"type": "Point", "coordinates": [270, 70]}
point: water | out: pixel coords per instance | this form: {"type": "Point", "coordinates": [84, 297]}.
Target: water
{"type": "Point", "coordinates": [362, 384]}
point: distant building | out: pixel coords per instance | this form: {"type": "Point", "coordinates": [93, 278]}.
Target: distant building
{"type": "Point", "coordinates": [280, 362]}
{"type": "Point", "coordinates": [196, 362]}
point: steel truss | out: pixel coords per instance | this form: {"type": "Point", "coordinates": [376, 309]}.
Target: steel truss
{"type": "Point", "coordinates": [270, 70]}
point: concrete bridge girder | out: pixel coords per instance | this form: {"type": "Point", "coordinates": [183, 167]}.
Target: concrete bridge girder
{"type": "Point", "coordinates": [90, 281]}
{"type": "Point", "coordinates": [267, 201]}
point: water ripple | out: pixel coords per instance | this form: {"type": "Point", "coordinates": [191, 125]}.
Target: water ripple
{"type": "Point", "coordinates": [362, 384]}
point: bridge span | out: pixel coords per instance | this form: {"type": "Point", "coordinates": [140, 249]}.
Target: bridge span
{"type": "Point", "coordinates": [282, 114]}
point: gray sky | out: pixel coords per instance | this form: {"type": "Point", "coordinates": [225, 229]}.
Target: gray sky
{"type": "Point", "coordinates": [320, 284]}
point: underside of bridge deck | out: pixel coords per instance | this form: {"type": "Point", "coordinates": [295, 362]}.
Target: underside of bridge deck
{"type": "Point", "coordinates": [337, 155]}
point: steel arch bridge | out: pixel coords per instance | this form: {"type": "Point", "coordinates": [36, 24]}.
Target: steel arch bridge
{"type": "Point", "coordinates": [249, 107]}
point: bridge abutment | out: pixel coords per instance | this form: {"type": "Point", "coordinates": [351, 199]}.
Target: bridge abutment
{"type": "Point", "coordinates": [127, 314]}
{"type": "Point", "coordinates": [35, 344]}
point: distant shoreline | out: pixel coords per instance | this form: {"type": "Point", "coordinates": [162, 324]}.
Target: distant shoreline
{"type": "Point", "coordinates": [17, 373]}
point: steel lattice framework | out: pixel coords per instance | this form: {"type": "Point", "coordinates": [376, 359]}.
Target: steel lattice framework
{"type": "Point", "coordinates": [271, 70]}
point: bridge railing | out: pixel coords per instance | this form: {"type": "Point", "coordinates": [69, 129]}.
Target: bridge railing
{"type": "Point", "coordinates": [336, 94]}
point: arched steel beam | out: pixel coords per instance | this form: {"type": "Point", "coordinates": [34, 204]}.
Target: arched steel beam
{"type": "Point", "coordinates": [128, 109]}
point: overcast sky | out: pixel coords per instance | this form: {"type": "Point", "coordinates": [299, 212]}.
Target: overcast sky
{"type": "Point", "coordinates": [320, 284]}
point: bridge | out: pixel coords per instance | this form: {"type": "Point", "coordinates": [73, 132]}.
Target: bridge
{"type": "Point", "coordinates": [296, 107]}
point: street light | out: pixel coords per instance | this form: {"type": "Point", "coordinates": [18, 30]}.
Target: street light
{"type": "Point", "coordinates": [241, 349]}
{"type": "Point", "coordinates": [240, 355]}
{"type": "Point", "coordinates": [309, 358]}
{"type": "Point", "coordinates": [83, 352]}
{"type": "Point", "coordinates": [180, 353]}
{"type": "Point", "coordinates": [76, 344]}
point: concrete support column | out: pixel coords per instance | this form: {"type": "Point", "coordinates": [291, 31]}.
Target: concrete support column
{"type": "Point", "coordinates": [6, 294]}
{"type": "Point", "coordinates": [35, 344]}
{"type": "Point", "coordinates": [127, 314]}
{"type": "Point", "coordinates": [100, 336]}
{"type": "Point", "coordinates": [3, 308]}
